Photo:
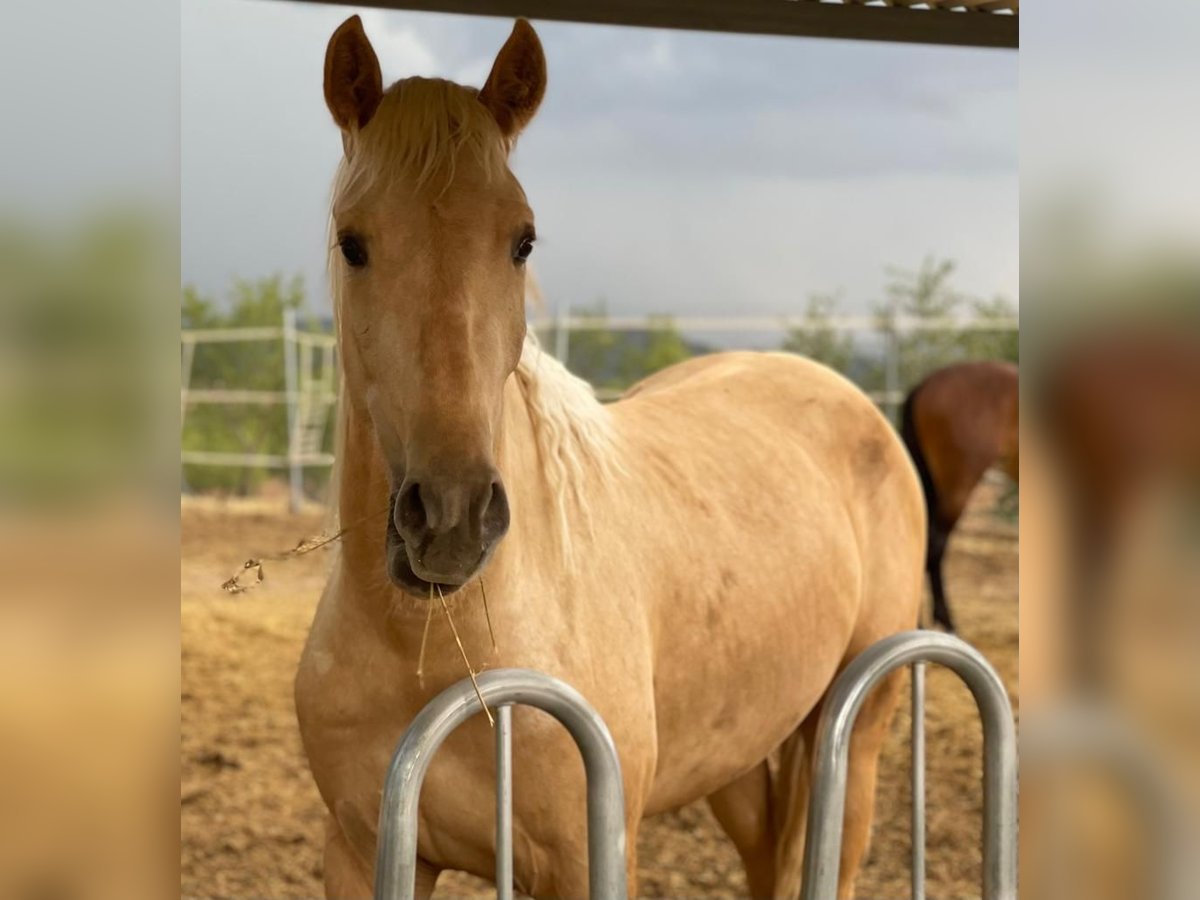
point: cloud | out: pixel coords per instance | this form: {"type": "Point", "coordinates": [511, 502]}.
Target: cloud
{"type": "Point", "coordinates": [401, 51]}
{"type": "Point", "coordinates": [474, 73]}
{"type": "Point", "coordinates": [653, 59]}
{"type": "Point", "coordinates": [668, 170]}
{"type": "Point", "coordinates": [760, 245]}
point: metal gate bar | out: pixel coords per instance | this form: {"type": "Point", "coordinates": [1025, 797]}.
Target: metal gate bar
{"type": "Point", "coordinates": [504, 823]}
{"type": "Point", "coordinates": [502, 688]}
{"type": "Point", "coordinates": [826, 810]}
{"type": "Point", "coordinates": [918, 781]}
{"type": "Point", "coordinates": [396, 858]}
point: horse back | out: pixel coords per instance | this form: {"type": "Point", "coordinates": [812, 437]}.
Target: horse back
{"type": "Point", "coordinates": [743, 400]}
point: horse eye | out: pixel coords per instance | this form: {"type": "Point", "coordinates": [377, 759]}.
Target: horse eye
{"type": "Point", "coordinates": [524, 248]}
{"type": "Point", "coordinates": [353, 250]}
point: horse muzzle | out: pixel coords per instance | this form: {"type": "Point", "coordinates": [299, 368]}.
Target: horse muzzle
{"type": "Point", "coordinates": [441, 537]}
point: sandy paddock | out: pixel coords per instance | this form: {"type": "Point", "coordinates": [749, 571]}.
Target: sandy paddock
{"type": "Point", "coordinates": [251, 819]}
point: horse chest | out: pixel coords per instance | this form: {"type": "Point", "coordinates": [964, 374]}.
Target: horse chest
{"type": "Point", "coordinates": [353, 710]}
{"type": "Point", "coordinates": [350, 718]}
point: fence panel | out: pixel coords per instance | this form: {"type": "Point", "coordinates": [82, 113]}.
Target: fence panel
{"type": "Point", "coordinates": [396, 860]}
{"type": "Point", "coordinates": [309, 379]}
{"type": "Point", "coordinates": [395, 877]}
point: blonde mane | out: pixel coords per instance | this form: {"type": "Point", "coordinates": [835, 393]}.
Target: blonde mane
{"type": "Point", "coordinates": [573, 432]}
{"type": "Point", "coordinates": [417, 134]}
{"type": "Point", "coordinates": [421, 128]}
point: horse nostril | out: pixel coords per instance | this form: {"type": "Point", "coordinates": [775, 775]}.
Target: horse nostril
{"type": "Point", "coordinates": [411, 517]}
{"type": "Point", "coordinates": [480, 503]}
{"type": "Point", "coordinates": [493, 522]}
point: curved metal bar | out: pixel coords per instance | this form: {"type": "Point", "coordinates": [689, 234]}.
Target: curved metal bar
{"type": "Point", "coordinates": [826, 810]}
{"type": "Point", "coordinates": [396, 854]}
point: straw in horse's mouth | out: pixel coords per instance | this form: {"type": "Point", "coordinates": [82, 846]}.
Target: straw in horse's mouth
{"type": "Point", "coordinates": [401, 572]}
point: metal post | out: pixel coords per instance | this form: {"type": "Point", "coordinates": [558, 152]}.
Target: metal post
{"type": "Point", "coordinates": [918, 781]}
{"type": "Point", "coordinates": [305, 397]}
{"type": "Point", "coordinates": [295, 471]}
{"type": "Point", "coordinates": [396, 858]}
{"type": "Point", "coordinates": [504, 823]}
{"type": "Point", "coordinates": [826, 811]}
{"type": "Point", "coordinates": [562, 335]}
{"type": "Point", "coordinates": [891, 351]}
{"type": "Point", "coordinates": [185, 379]}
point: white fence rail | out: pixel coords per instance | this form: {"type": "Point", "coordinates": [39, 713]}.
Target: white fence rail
{"type": "Point", "coordinates": [310, 392]}
{"type": "Point", "coordinates": [889, 398]}
{"type": "Point", "coordinates": [309, 395]}
{"type": "Point", "coordinates": [766, 323]}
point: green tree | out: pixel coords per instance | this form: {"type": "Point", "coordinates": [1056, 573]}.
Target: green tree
{"type": "Point", "coordinates": [613, 359]}
{"type": "Point", "coordinates": [1003, 343]}
{"type": "Point", "coordinates": [922, 296]}
{"type": "Point", "coordinates": [663, 346]}
{"type": "Point", "coordinates": [590, 350]}
{"type": "Point", "coordinates": [817, 339]}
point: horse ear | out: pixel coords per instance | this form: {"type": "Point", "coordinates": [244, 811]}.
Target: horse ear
{"type": "Point", "coordinates": [514, 89]}
{"type": "Point", "coordinates": [353, 83]}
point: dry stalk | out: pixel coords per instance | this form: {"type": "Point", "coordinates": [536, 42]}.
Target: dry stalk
{"type": "Point", "coordinates": [488, 613]}
{"type": "Point", "coordinates": [234, 585]}
{"type": "Point", "coordinates": [462, 650]}
{"type": "Point", "coordinates": [424, 640]}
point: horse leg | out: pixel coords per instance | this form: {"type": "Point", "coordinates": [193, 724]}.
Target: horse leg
{"type": "Point", "coordinates": [344, 875]}
{"type": "Point", "coordinates": [631, 857]}
{"type": "Point", "coordinates": [561, 868]}
{"type": "Point", "coordinates": [570, 878]}
{"type": "Point", "coordinates": [764, 813]}
{"type": "Point", "coordinates": [743, 809]}
{"type": "Point", "coordinates": [938, 537]}
{"type": "Point", "coordinates": [426, 880]}
{"type": "Point", "coordinates": [870, 732]}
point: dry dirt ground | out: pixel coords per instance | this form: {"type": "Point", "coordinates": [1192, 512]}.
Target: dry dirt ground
{"type": "Point", "coordinates": [251, 819]}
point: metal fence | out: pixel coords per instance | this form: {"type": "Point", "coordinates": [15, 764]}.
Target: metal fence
{"type": "Point", "coordinates": [890, 330]}
{"type": "Point", "coordinates": [396, 859]}
{"type": "Point", "coordinates": [826, 809]}
{"type": "Point", "coordinates": [310, 392]}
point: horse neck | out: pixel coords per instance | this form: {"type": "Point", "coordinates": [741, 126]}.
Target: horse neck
{"type": "Point", "coordinates": [364, 503]}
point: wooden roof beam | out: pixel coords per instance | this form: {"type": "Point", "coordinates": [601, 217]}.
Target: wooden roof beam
{"type": "Point", "coordinates": [803, 18]}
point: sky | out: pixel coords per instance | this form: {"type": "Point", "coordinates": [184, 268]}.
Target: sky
{"type": "Point", "coordinates": [669, 171]}
{"type": "Point", "coordinates": [1107, 113]}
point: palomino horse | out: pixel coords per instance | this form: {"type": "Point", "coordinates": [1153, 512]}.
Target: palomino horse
{"type": "Point", "coordinates": [699, 560]}
{"type": "Point", "coordinates": [958, 423]}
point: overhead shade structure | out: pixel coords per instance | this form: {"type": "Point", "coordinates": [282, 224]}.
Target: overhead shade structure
{"type": "Point", "coordinates": [969, 23]}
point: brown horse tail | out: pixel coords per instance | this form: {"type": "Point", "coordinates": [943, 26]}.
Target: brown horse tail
{"type": "Point", "coordinates": [908, 433]}
{"type": "Point", "coordinates": [789, 804]}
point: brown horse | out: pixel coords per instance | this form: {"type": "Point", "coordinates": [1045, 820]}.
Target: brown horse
{"type": "Point", "coordinates": [958, 423]}
{"type": "Point", "coordinates": [699, 560]}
